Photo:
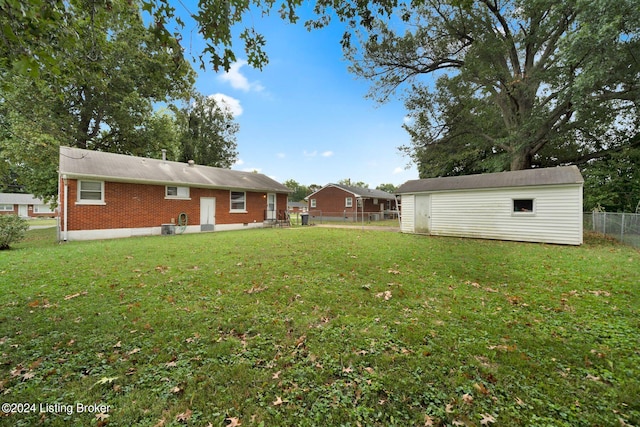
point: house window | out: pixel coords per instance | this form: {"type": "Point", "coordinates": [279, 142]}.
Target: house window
{"type": "Point", "coordinates": [6, 208]}
{"type": "Point", "coordinates": [523, 206]}
{"type": "Point", "coordinates": [348, 202]}
{"type": "Point", "coordinates": [175, 192]}
{"type": "Point", "coordinates": [42, 209]}
{"type": "Point", "coordinates": [91, 192]}
{"type": "Point", "coordinates": [238, 201]}
{"type": "Point", "coordinates": [313, 203]}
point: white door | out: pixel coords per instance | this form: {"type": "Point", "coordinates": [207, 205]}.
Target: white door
{"type": "Point", "coordinates": [207, 213]}
{"type": "Point", "coordinates": [23, 211]}
{"type": "Point", "coordinates": [423, 213]}
{"type": "Point", "coordinates": [271, 206]}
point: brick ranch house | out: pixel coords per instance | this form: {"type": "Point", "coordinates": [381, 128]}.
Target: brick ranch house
{"type": "Point", "coordinates": [25, 206]}
{"type": "Point", "coordinates": [105, 195]}
{"type": "Point", "coordinates": [346, 203]}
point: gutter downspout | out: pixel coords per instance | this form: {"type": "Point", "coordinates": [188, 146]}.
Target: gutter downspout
{"type": "Point", "coordinates": [398, 210]}
{"type": "Point", "coordinates": [65, 233]}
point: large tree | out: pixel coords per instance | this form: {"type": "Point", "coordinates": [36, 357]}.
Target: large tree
{"type": "Point", "coordinates": [207, 133]}
{"type": "Point", "coordinates": [99, 93]}
{"type": "Point", "coordinates": [518, 83]}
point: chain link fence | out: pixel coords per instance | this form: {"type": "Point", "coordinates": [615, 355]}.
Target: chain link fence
{"type": "Point", "coordinates": [624, 227]}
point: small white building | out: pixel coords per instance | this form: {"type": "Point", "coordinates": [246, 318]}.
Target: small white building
{"type": "Point", "coordinates": [534, 205]}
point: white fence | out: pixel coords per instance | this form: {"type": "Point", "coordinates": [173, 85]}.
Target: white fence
{"type": "Point", "coordinates": [621, 226]}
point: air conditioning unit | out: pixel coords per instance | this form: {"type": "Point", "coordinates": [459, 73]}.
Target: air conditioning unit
{"type": "Point", "coordinates": [168, 229]}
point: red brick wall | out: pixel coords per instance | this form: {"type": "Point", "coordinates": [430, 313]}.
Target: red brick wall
{"type": "Point", "coordinates": [142, 205]}
{"type": "Point", "coordinates": [30, 212]}
{"type": "Point", "coordinates": [331, 200]}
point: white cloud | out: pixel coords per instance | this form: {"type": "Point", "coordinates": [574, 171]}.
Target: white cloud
{"type": "Point", "coordinates": [327, 154]}
{"type": "Point", "coordinates": [398, 170]}
{"type": "Point", "coordinates": [239, 162]}
{"type": "Point", "coordinates": [238, 81]}
{"type": "Point", "coordinates": [229, 103]}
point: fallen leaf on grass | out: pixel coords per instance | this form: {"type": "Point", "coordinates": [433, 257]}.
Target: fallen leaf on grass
{"type": "Point", "coordinates": [386, 295]}
{"type": "Point", "coordinates": [185, 416]}
{"type": "Point", "coordinates": [487, 419]}
{"type": "Point", "coordinates": [105, 380]}
{"type": "Point", "coordinates": [467, 398]}
{"type": "Point", "coordinates": [448, 408]}
{"type": "Point", "coordinates": [277, 402]}
{"type": "Point", "coordinates": [428, 421]}
{"type": "Point", "coordinates": [255, 289]}
{"type": "Point", "coordinates": [68, 297]}
{"type": "Point", "coordinates": [233, 422]}
{"type": "Point", "coordinates": [175, 390]}
{"type": "Point", "coordinates": [102, 416]}
{"type": "Point", "coordinates": [276, 375]}
{"type": "Point", "coordinates": [481, 388]}
{"type": "Point", "coordinates": [134, 351]}
{"type": "Point", "coordinates": [27, 376]}
{"type": "Point", "coordinates": [598, 293]}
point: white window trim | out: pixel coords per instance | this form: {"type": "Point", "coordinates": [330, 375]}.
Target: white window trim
{"type": "Point", "coordinates": [231, 210]}
{"type": "Point", "coordinates": [348, 202]}
{"type": "Point", "coordinates": [524, 213]}
{"type": "Point", "coordinates": [3, 208]}
{"type": "Point", "coordinates": [80, 201]}
{"type": "Point", "coordinates": [42, 209]}
{"type": "Point", "coordinates": [313, 203]}
{"type": "Point", "coordinates": [184, 196]}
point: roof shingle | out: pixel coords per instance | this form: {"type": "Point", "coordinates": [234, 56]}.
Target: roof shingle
{"type": "Point", "coordinates": [523, 178]}
{"type": "Point", "coordinates": [79, 163]}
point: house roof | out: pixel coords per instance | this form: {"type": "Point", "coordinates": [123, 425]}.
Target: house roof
{"type": "Point", "coordinates": [79, 163]}
{"type": "Point", "coordinates": [365, 193]}
{"type": "Point", "coordinates": [19, 199]}
{"type": "Point", "coordinates": [523, 178]}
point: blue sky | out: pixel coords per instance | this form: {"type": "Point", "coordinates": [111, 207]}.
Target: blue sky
{"type": "Point", "coordinates": [304, 116]}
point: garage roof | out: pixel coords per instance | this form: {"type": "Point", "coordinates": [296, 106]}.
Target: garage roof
{"type": "Point", "coordinates": [88, 164]}
{"type": "Point", "coordinates": [524, 178]}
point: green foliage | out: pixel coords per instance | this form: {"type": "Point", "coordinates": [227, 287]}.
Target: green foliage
{"type": "Point", "coordinates": [12, 230]}
{"type": "Point", "coordinates": [207, 133]}
{"type": "Point", "coordinates": [518, 84]}
{"type": "Point", "coordinates": [300, 191]}
{"type": "Point", "coordinates": [389, 188]}
{"type": "Point", "coordinates": [359, 328]}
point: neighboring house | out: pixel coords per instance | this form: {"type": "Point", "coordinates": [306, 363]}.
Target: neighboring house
{"type": "Point", "coordinates": [105, 195]}
{"type": "Point", "coordinates": [25, 206]}
{"type": "Point", "coordinates": [342, 202]}
{"type": "Point", "coordinates": [535, 205]}
{"type": "Point", "coordinates": [297, 207]}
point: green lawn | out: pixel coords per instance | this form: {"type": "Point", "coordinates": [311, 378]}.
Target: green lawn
{"type": "Point", "coordinates": [317, 326]}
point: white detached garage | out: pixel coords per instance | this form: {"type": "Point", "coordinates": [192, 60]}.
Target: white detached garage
{"type": "Point", "coordinates": [534, 205]}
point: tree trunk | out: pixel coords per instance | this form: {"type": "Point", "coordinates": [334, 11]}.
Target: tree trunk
{"type": "Point", "coordinates": [521, 159]}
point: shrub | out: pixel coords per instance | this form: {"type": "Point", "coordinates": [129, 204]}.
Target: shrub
{"type": "Point", "coordinates": [12, 229]}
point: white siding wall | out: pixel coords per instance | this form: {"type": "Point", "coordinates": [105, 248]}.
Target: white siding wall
{"type": "Point", "coordinates": [488, 214]}
{"type": "Point", "coordinates": [407, 215]}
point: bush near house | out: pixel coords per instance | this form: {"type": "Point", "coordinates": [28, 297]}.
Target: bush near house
{"type": "Point", "coordinates": [12, 230]}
